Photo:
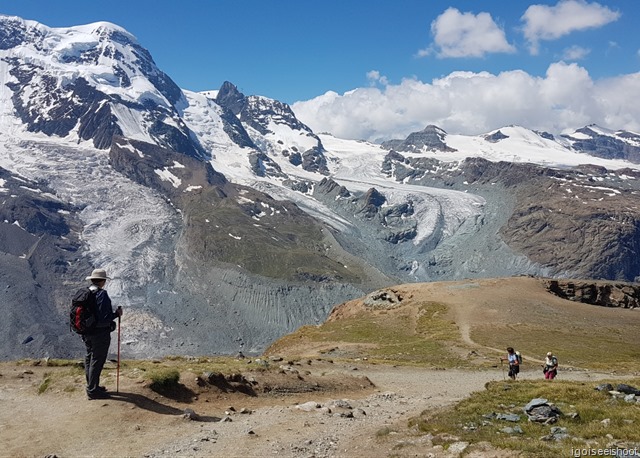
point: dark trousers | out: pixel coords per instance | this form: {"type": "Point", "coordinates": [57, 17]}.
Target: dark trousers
{"type": "Point", "coordinates": [97, 351]}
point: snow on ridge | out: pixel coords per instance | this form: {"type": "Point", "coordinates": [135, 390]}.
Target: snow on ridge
{"type": "Point", "coordinates": [203, 117]}
{"type": "Point", "coordinates": [57, 49]}
{"type": "Point", "coordinates": [291, 137]}
{"type": "Point", "coordinates": [211, 94]}
{"type": "Point", "coordinates": [522, 145]}
{"type": "Point", "coordinates": [166, 175]}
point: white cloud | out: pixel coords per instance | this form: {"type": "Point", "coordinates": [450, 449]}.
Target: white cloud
{"type": "Point", "coordinates": [375, 77]}
{"type": "Point", "coordinates": [475, 103]}
{"type": "Point", "coordinates": [542, 22]}
{"type": "Point", "coordinates": [459, 34]}
{"type": "Point", "coordinates": [575, 53]}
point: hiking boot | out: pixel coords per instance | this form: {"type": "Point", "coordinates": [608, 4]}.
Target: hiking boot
{"type": "Point", "coordinates": [102, 389]}
{"type": "Point", "coordinates": [98, 395]}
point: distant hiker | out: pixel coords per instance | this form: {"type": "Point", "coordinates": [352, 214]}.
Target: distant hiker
{"type": "Point", "coordinates": [98, 339]}
{"type": "Point", "coordinates": [550, 367]}
{"type": "Point", "coordinates": [514, 362]}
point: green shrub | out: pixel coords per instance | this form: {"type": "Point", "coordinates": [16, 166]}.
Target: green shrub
{"type": "Point", "coordinates": [164, 378]}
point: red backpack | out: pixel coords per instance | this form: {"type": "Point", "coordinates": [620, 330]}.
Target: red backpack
{"type": "Point", "coordinates": [84, 309]}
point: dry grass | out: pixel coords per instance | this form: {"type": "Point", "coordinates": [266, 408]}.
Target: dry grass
{"type": "Point", "coordinates": [598, 348]}
{"type": "Point", "coordinates": [420, 334]}
{"type": "Point", "coordinates": [437, 323]}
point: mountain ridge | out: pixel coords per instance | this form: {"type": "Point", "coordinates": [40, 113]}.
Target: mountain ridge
{"type": "Point", "coordinates": [226, 222]}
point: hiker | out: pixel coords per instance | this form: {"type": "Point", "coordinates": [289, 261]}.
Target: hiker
{"type": "Point", "coordinates": [514, 363]}
{"type": "Point", "coordinates": [98, 340]}
{"type": "Point", "coordinates": [550, 367]}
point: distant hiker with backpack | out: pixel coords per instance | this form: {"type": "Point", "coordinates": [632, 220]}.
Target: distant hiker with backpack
{"type": "Point", "coordinates": [514, 359]}
{"type": "Point", "coordinates": [93, 317]}
{"type": "Point", "coordinates": [550, 367]}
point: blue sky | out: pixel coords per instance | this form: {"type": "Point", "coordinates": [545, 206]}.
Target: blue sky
{"type": "Point", "coordinates": [322, 54]}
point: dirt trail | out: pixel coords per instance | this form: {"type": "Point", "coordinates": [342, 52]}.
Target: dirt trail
{"type": "Point", "coordinates": [138, 422]}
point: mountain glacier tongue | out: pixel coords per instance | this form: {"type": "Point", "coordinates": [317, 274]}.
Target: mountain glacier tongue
{"type": "Point", "coordinates": [130, 230]}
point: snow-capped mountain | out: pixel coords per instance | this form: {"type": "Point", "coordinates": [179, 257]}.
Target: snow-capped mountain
{"type": "Point", "coordinates": [226, 222]}
{"type": "Point", "coordinates": [591, 144]}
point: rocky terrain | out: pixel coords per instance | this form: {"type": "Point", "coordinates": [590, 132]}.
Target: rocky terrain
{"type": "Point", "coordinates": [342, 392]}
{"type": "Point", "coordinates": [350, 414]}
{"type": "Point", "coordinates": [604, 294]}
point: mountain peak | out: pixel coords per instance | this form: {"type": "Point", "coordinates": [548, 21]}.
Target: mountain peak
{"type": "Point", "coordinates": [16, 31]}
{"type": "Point", "coordinates": [230, 97]}
{"type": "Point", "coordinates": [431, 138]}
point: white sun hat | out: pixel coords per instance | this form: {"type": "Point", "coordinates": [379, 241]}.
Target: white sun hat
{"type": "Point", "coordinates": [98, 274]}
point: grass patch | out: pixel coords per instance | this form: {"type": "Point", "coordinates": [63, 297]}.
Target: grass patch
{"type": "Point", "coordinates": [46, 383]}
{"type": "Point", "coordinates": [468, 420]}
{"type": "Point", "coordinates": [414, 335]}
{"type": "Point", "coordinates": [197, 365]}
{"type": "Point", "coordinates": [60, 363]}
{"type": "Point", "coordinates": [164, 378]}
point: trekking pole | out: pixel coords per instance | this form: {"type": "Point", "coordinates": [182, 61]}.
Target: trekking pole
{"type": "Point", "coordinates": [118, 365]}
{"type": "Point", "coordinates": [502, 366]}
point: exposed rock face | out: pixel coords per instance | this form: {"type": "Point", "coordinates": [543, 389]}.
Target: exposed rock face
{"type": "Point", "coordinates": [495, 137]}
{"type": "Point", "coordinates": [383, 299]}
{"type": "Point", "coordinates": [431, 138]}
{"type": "Point", "coordinates": [607, 146]}
{"type": "Point", "coordinates": [39, 245]}
{"type": "Point", "coordinates": [260, 114]}
{"type": "Point", "coordinates": [392, 224]}
{"type": "Point", "coordinates": [605, 294]}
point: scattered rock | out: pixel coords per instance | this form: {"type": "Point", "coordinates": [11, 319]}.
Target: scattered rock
{"type": "Point", "coordinates": [627, 389]}
{"type": "Point", "coordinates": [604, 387]}
{"type": "Point", "coordinates": [514, 430]}
{"type": "Point", "coordinates": [540, 411]}
{"type": "Point", "coordinates": [189, 414]}
{"type": "Point", "coordinates": [308, 406]}
{"type": "Point", "coordinates": [339, 403]}
{"type": "Point", "coordinates": [383, 299]}
{"type": "Point", "coordinates": [508, 417]}
{"type": "Point", "coordinates": [557, 434]}
{"type": "Point", "coordinates": [457, 448]}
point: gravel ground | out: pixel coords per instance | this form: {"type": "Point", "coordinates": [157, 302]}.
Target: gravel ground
{"type": "Point", "coordinates": [347, 427]}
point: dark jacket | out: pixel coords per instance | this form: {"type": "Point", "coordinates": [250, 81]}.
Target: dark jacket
{"type": "Point", "coordinates": [105, 313]}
